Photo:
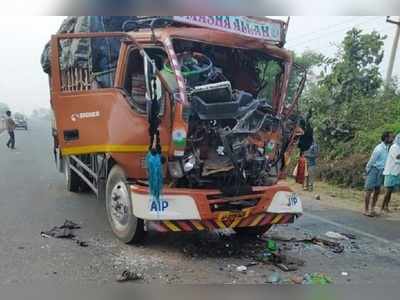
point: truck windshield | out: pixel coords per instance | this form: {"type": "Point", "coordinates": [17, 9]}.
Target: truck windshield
{"type": "Point", "coordinates": [246, 70]}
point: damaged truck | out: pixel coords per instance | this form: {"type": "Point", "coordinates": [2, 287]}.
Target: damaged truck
{"type": "Point", "coordinates": [215, 90]}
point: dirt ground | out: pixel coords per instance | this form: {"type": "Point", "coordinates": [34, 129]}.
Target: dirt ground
{"type": "Point", "coordinates": [346, 198]}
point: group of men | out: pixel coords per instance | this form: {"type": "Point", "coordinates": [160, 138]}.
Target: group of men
{"type": "Point", "coordinates": [383, 168]}
{"type": "Point", "coordinates": [10, 127]}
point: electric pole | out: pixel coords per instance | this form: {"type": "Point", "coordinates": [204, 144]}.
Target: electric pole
{"type": "Point", "coordinates": [394, 50]}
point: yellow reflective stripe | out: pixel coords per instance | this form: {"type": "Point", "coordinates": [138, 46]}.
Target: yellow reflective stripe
{"type": "Point", "coordinates": [256, 221]}
{"type": "Point", "coordinates": [276, 219]}
{"type": "Point", "coordinates": [220, 224]}
{"type": "Point", "coordinates": [198, 225]}
{"type": "Point", "coordinates": [237, 221]}
{"type": "Point", "coordinates": [171, 226]}
{"type": "Point", "coordinates": [107, 148]}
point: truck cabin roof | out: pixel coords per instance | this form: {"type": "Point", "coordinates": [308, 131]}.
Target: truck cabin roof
{"type": "Point", "coordinates": [210, 36]}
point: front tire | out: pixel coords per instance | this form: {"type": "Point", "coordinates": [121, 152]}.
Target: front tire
{"type": "Point", "coordinates": [124, 224]}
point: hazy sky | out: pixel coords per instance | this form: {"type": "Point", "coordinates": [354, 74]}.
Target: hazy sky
{"type": "Point", "coordinates": [24, 86]}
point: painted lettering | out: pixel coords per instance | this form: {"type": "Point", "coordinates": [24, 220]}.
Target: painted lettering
{"type": "Point", "coordinates": [159, 206]}
{"type": "Point", "coordinates": [210, 20]}
{"type": "Point", "coordinates": [227, 22]}
{"type": "Point", "coordinates": [265, 31]}
{"type": "Point", "coordinates": [202, 19]}
{"type": "Point", "coordinates": [219, 21]}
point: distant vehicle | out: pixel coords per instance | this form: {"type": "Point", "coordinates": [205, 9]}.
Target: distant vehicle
{"type": "Point", "coordinates": [21, 123]}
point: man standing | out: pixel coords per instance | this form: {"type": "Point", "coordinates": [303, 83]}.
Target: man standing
{"type": "Point", "coordinates": [374, 170]}
{"type": "Point", "coordinates": [311, 156]}
{"type": "Point", "coordinates": [391, 173]}
{"type": "Point", "coordinates": [10, 126]}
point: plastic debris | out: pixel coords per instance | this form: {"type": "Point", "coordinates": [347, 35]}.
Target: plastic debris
{"type": "Point", "coordinates": [345, 274]}
{"type": "Point", "coordinates": [336, 235]}
{"type": "Point", "coordinates": [297, 279]}
{"type": "Point", "coordinates": [241, 269]}
{"type": "Point", "coordinates": [271, 245]}
{"type": "Point", "coordinates": [349, 235]}
{"type": "Point", "coordinates": [274, 278]}
{"type": "Point", "coordinates": [317, 197]}
{"type": "Point", "coordinates": [129, 276]}
{"type": "Point", "coordinates": [320, 279]}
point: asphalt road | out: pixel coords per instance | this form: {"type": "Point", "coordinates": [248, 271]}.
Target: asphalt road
{"type": "Point", "coordinates": [33, 199]}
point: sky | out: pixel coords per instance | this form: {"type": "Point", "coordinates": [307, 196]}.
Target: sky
{"type": "Point", "coordinates": [24, 86]}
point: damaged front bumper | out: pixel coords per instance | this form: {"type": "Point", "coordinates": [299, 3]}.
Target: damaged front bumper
{"type": "Point", "coordinates": [198, 209]}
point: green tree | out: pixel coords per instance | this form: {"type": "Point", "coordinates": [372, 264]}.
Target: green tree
{"type": "Point", "coordinates": [344, 98]}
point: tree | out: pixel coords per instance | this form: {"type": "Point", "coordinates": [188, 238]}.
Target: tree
{"type": "Point", "coordinates": [342, 99]}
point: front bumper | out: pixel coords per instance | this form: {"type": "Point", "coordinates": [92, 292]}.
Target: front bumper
{"type": "Point", "coordinates": [194, 209]}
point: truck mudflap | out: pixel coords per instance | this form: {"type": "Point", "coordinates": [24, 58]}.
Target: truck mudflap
{"type": "Point", "coordinates": [193, 210]}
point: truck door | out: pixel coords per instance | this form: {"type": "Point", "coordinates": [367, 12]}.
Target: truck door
{"type": "Point", "coordinates": [104, 110]}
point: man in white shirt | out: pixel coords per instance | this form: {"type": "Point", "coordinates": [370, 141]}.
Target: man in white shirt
{"type": "Point", "coordinates": [391, 172]}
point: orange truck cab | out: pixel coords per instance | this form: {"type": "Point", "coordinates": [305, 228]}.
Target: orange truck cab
{"type": "Point", "coordinates": [225, 102]}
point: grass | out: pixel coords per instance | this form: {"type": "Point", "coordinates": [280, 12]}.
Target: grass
{"type": "Point", "coordinates": [342, 197]}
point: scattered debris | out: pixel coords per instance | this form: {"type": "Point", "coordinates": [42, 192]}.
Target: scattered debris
{"type": "Point", "coordinates": [349, 235]}
{"type": "Point", "coordinates": [241, 269]}
{"type": "Point", "coordinates": [82, 243]}
{"type": "Point", "coordinates": [274, 278]}
{"type": "Point", "coordinates": [297, 279]}
{"type": "Point", "coordinates": [129, 276]}
{"type": "Point", "coordinates": [65, 231]}
{"type": "Point", "coordinates": [271, 245]}
{"type": "Point", "coordinates": [336, 235]}
{"type": "Point", "coordinates": [317, 197]}
{"type": "Point", "coordinates": [252, 263]}
{"type": "Point", "coordinates": [318, 278]}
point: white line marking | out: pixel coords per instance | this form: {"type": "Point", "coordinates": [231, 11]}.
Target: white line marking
{"type": "Point", "coordinates": [349, 228]}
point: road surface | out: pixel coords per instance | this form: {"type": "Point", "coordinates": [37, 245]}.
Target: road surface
{"type": "Point", "coordinates": [33, 199]}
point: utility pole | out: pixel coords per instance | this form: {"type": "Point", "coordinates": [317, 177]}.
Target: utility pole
{"type": "Point", "coordinates": [394, 50]}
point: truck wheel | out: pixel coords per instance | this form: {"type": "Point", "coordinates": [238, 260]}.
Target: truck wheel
{"type": "Point", "coordinates": [252, 231]}
{"type": "Point", "coordinates": [72, 180]}
{"type": "Point", "coordinates": [124, 224]}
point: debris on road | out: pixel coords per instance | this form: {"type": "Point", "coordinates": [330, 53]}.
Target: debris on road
{"type": "Point", "coordinates": [274, 278]}
{"type": "Point", "coordinates": [349, 235]}
{"type": "Point", "coordinates": [65, 231]}
{"type": "Point", "coordinates": [317, 278]}
{"type": "Point", "coordinates": [345, 274]}
{"type": "Point", "coordinates": [241, 269]}
{"type": "Point", "coordinates": [297, 279]}
{"type": "Point", "coordinates": [317, 197]}
{"type": "Point", "coordinates": [336, 235]}
{"type": "Point", "coordinates": [127, 275]}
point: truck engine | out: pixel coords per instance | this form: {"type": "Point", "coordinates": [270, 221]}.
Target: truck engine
{"type": "Point", "coordinates": [234, 140]}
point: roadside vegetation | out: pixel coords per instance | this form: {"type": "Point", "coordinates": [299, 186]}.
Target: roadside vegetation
{"type": "Point", "coordinates": [351, 105]}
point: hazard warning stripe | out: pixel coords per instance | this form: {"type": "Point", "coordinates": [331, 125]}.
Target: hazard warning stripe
{"type": "Point", "coordinates": [276, 219]}
{"type": "Point", "coordinates": [267, 219]}
{"type": "Point", "coordinates": [171, 226]}
{"type": "Point", "coordinates": [285, 219]}
{"type": "Point", "coordinates": [246, 221]}
{"type": "Point", "coordinates": [158, 227]}
{"type": "Point", "coordinates": [256, 220]}
{"type": "Point", "coordinates": [184, 225]}
{"type": "Point", "coordinates": [197, 225]}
